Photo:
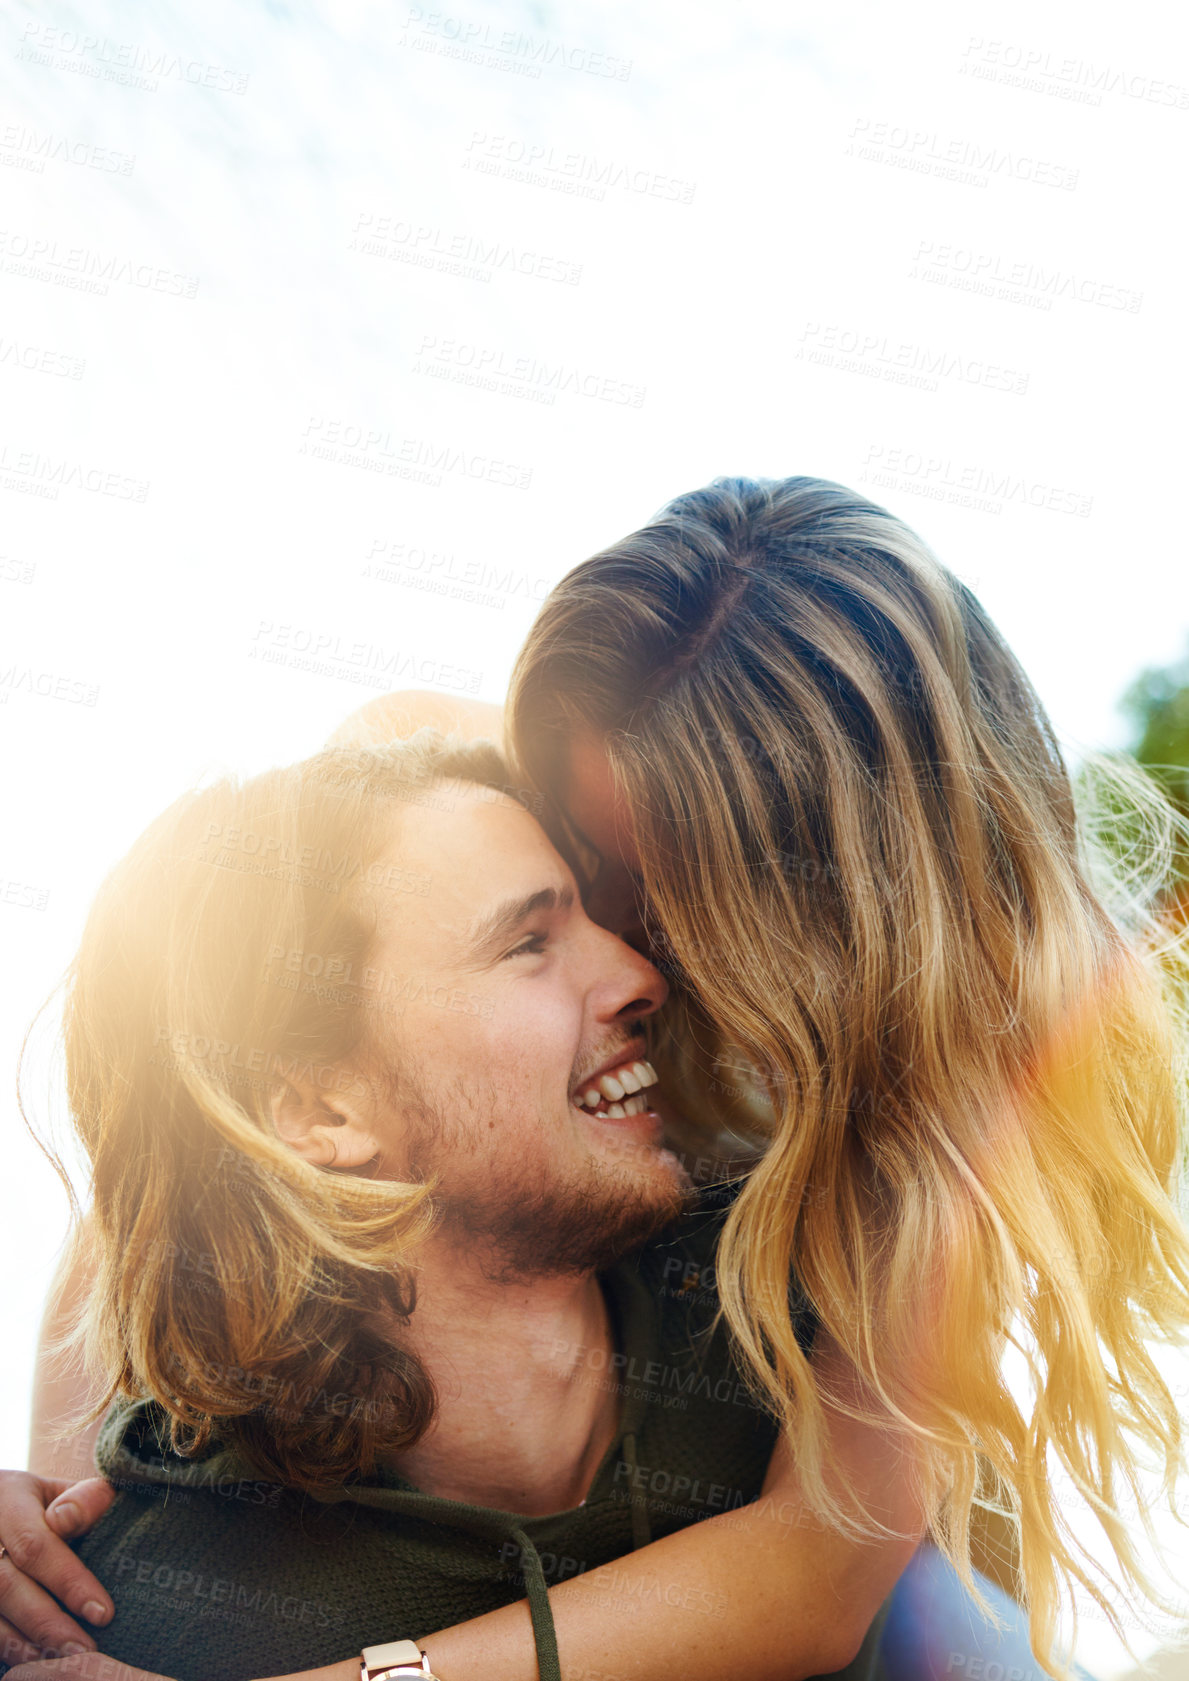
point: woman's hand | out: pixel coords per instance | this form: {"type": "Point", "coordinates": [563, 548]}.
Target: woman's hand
{"type": "Point", "coordinates": [348, 1670]}
{"type": "Point", "coordinates": [81, 1666]}
{"type": "Point", "coordinates": [93, 1666]}
{"type": "Point", "coordinates": [37, 1517]}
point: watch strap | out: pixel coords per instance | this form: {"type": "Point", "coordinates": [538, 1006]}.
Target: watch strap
{"type": "Point", "coordinates": [393, 1658]}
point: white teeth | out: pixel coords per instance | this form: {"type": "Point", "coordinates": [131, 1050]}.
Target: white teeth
{"type": "Point", "coordinates": [637, 1104]}
{"type": "Point", "coordinates": [633, 1077]}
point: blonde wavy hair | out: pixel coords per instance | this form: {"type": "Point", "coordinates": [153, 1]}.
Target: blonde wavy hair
{"type": "Point", "coordinates": [241, 1288]}
{"type": "Point", "coordinates": [859, 841]}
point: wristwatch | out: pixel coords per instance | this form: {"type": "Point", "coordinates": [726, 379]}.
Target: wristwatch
{"type": "Point", "coordinates": [394, 1661]}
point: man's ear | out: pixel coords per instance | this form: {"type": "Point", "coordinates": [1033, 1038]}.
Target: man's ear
{"type": "Point", "coordinates": [327, 1127]}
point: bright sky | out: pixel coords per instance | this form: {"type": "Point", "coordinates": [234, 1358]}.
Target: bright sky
{"type": "Point", "coordinates": [333, 335]}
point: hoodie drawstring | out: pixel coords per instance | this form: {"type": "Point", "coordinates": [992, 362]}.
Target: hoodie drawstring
{"type": "Point", "coordinates": [539, 1608]}
{"type": "Point", "coordinates": [641, 1530]}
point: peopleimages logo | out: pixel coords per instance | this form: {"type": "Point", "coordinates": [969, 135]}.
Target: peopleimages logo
{"type": "Point", "coordinates": [511, 50]}
{"type": "Point", "coordinates": [1065, 77]}
{"type": "Point", "coordinates": [53, 473]}
{"type": "Point", "coordinates": [578, 174]}
{"type": "Point", "coordinates": [83, 270]}
{"type": "Point", "coordinates": [507, 374]}
{"type": "Point", "coordinates": [34, 359]}
{"type": "Point", "coordinates": [24, 895]}
{"type": "Point", "coordinates": [376, 449]}
{"type": "Point", "coordinates": [440, 572]}
{"type": "Point", "coordinates": [24, 679]}
{"type": "Point", "coordinates": [900, 362]}
{"type": "Point", "coordinates": [125, 62]}
{"type": "Point", "coordinates": [1013, 280]}
{"type": "Point", "coordinates": [966, 484]}
{"type": "Point", "coordinates": [470, 256]}
{"type": "Point", "coordinates": [29, 148]}
{"type": "Point", "coordinates": [968, 162]}
{"type": "Point", "coordinates": [304, 648]}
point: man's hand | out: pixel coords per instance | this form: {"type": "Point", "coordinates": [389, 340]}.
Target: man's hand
{"type": "Point", "coordinates": [37, 1517]}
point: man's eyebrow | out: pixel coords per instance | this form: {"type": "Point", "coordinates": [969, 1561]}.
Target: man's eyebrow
{"type": "Point", "coordinates": [500, 924]}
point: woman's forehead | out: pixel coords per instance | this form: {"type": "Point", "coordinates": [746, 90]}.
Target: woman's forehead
{"type": "Point", "coordinates": [594, 801]}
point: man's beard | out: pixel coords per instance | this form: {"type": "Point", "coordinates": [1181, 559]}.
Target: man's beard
{"type": "Point", "coordinates": [525, 1224]}
{"type": "Point", "coordinates": [583, 1225]}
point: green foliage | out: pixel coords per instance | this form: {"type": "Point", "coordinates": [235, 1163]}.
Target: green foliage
{"type": "Point", "coordinates": [1157, 704]}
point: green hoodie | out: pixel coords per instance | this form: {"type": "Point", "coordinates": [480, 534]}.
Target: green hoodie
{"type": "Point", "coordinates": [219, 1576]}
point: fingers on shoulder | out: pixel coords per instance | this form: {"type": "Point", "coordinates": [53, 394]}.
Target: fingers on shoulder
{"type": "Point", "coordinates": [396, 716]}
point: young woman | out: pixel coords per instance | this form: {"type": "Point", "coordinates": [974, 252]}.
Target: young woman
{"type": "Point", "coordinates": [774, 720]}
{"type": "Point", "coordinates": [792, 747]}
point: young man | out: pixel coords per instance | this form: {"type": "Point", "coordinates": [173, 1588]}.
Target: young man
{"type": "Point", "coordinates": [297, 1004]}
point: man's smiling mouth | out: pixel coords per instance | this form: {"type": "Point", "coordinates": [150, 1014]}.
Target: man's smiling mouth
{"type": "Point", "coordinates": [617, 1093]}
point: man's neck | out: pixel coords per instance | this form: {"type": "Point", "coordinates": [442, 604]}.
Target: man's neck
{"type": "Point", "coordinates": [524, 1414]}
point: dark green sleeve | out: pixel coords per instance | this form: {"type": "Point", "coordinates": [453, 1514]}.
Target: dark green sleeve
{"type": "Point", "coordinates": [194, 1579]}
{"type": "Point", "coordinates": [240, 1578]}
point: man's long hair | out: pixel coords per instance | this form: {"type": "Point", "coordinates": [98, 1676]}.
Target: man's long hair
{"type": "Point", "coordinates": [859, 840]}
{"type": "Point", "coordinates": [246, 1291]}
